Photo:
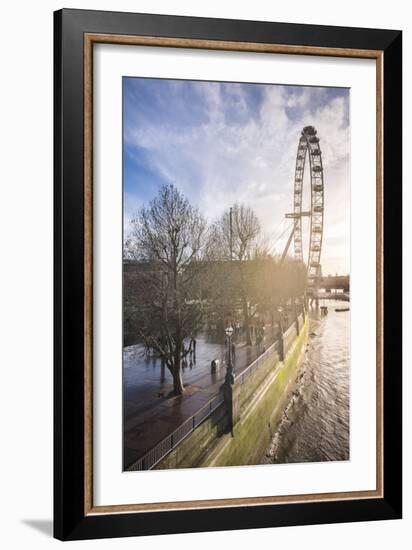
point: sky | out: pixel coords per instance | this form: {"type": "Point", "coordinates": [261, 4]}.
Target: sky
{"type": "Point", "coordinates": [221, 143]}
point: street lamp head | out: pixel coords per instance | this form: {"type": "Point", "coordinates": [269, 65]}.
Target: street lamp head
{"type": "Point", "coordinates": [229, 330]}
{"type": "Point", "coordinates": [280, 309]}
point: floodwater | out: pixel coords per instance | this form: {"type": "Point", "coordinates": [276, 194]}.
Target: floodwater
{"type": "Point", "coordinates": [150, 412]}
{"type": "Point", "coordinates": [315, 424]}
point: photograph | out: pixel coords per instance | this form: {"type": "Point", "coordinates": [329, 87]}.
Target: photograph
{"type": "Point", "coordinates": [236, 274]}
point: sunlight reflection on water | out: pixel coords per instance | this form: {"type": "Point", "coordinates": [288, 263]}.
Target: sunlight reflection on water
{"type": "Point", "coordinates": [315, 424]}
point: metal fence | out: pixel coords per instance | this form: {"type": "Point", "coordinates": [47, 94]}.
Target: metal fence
{"type": "Point", "coordinates": [289, 330]}
{"type": "Point", "coordinates": [164, 447]}
{"type": "Point", "coordinates": [244, 375]}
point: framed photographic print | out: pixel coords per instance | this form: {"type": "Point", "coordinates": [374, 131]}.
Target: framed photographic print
{"type": "Point", "coordinates": [227, 274]}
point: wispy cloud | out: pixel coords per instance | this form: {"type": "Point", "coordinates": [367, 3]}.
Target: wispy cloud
{"type": "Point", "coordinates": [221, 143]}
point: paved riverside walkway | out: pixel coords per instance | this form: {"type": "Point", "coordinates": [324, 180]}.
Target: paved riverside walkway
{"type": "Point", "coordinates": [149, 418]}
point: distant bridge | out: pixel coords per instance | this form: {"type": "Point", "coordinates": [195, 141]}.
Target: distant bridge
{"type": "Point", "coordinates": [336, 287]}
{"type": "Point", "coordinates": [334, 282]}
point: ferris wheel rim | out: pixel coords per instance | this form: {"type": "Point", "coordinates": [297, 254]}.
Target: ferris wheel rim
{"type": "Point", "coordinates": [308, 146]}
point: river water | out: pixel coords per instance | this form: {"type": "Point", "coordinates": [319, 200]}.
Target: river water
{"type": "Point", "coordinates": [315, 424]}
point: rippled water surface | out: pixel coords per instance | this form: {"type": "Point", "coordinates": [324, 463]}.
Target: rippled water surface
{"type": "Point", "coordinates": [315, 425]}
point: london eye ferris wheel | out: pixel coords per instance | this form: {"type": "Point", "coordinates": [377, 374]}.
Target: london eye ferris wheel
{"type": "Point", "coordinates": [309, 157]}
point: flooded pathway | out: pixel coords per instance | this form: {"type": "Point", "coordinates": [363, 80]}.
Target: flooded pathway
{"type": "Point", "coordinates": [150, 411]}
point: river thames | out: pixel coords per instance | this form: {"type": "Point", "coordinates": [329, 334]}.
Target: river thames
{"type": "Point", "coordinates": [315, 424]}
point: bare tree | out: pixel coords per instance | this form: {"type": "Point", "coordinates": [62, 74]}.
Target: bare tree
{"type": "Point", "coordinates": [168, 239]}
{"type": "Point", "coordinates": [236, 237]}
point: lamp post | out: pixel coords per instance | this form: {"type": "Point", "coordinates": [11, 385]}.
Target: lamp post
{"type": "Point", "coordinates": [229, 378]}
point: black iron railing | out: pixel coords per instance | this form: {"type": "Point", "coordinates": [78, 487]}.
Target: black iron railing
{"type": "Point", "coordinates": [164, 447]}
{"type": "Point", "coordinates": [244, 375]}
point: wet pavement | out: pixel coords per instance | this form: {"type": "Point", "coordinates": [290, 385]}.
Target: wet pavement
{"type": "Point", "coordinates": [151, 412]}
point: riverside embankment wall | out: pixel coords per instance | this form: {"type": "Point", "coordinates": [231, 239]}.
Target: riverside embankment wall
{"type": "Point", "coordinates": [259, 402]}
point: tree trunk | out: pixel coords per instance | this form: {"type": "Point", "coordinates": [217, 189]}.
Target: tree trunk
{"type": "Point", "coordinates": [178, 387]}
